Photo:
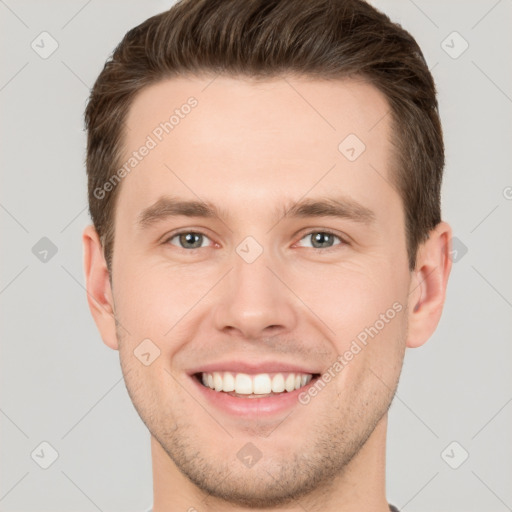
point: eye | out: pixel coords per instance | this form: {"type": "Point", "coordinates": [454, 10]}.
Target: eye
{"type": "Point", "coordinates": [188, 240]}
{"type": "Point", "coordinates": [322, 239]}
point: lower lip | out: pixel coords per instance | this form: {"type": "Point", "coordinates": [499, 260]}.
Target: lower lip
{"type": "Point", "coordinates": [252, 407]}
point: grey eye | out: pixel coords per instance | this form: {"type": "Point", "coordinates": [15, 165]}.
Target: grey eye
{"type": "Point", "coordinates": [321, 239]}
{"type": "Point", "coordinates": [189, 240]}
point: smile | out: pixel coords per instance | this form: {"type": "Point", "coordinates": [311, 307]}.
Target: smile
{"type": "Point", "coordinates": [253, 396]}
{"type": "Point", "coordinates": [254, 386]}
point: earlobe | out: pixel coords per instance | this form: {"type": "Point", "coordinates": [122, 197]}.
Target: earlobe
{"type": "Point", "coordinates": [427, 291]}
{"type": "Point", "coordinates": [99, 291]}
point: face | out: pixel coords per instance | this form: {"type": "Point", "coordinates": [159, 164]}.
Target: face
{"type": "Point", "coordinates": [254, 251]}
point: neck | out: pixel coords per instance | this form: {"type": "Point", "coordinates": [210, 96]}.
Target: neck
{"type": "Point", "coordinates": [360, 486]}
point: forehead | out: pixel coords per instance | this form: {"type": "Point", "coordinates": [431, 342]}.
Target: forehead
{"type": "Point", "coordinates": [241, 142]}
{"type": "Point", "coordinates": [232, 107]}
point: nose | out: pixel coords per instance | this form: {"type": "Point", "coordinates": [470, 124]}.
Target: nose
{"type": "Point", "coordinates": [254, 302]}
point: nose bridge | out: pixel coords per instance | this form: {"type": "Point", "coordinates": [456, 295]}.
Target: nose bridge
{"type": "Point", "coordinates": [252, 281]}
{"type": "Point", "coordinates": [254, 301]}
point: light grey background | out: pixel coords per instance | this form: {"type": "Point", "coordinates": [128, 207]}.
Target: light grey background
{"type": "Point", "coordinates": [60, 384]}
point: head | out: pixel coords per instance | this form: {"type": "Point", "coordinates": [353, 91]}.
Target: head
{"type": "Point", "coordinates": [285, 209]}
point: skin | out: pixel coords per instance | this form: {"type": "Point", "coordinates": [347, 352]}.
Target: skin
{"type": "Point", "coordinates": [253, 149]}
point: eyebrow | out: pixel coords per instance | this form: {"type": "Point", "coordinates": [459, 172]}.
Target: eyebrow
{"type": "Point", "coordinates": [344, 208]}
{"type": "Point", "coordinates": [339, 207]}
{"type": "Point", "coordinates": [167, 207]}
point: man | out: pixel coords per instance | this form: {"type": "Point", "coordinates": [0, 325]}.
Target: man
{"type": "Point", "coordinates": [264, 182]}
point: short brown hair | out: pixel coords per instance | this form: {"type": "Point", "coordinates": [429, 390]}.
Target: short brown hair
{"type": "Point", "coordinates": [265, 39]}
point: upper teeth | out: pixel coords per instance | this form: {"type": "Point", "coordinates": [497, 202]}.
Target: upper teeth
{"type": "Point", "coordinates": [260, 384]}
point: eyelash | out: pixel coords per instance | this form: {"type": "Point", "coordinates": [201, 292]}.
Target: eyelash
{"type": "Point", "coordinates": [343, 242]}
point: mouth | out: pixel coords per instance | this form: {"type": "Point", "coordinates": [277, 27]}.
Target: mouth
{"type": "Point", "coordinates": [255, 386]}
{"type": "Point", "coordinates": [253, 390]}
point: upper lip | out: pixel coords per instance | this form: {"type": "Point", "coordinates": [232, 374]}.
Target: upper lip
{"type": "Point", "coordinates": [252, 367]}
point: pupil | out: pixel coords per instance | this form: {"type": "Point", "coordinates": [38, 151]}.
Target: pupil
{"type": "Point", "coordinates": [191, 239]}
{"type": "Point", "coordinates": [322, 239]}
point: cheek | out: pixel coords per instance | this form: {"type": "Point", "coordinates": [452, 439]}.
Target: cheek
{"type": "Point", "coordinates": [364, 311]}
{"type": "Point", "coordinates": [151, 299]}
{"type": "Point", "coordinates": [349, 297]}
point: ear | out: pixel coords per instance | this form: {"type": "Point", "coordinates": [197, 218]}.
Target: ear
{"type": "Point", "coordinates": [427, 291]}
{"type": "Point", "coordinates": [99, 291]}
